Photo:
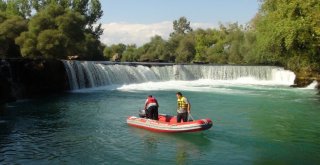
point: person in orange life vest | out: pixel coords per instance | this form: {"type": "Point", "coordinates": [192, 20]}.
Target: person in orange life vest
{"type": "Point", "coordinates": [183, 108]}
{"type": "Point", "coordinates": [151, 108]}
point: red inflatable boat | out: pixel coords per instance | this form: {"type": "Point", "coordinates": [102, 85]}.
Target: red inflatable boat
{"type": "Point", "coordinates": [169, 124]}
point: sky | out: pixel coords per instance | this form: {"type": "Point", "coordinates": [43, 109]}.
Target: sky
{"type": "Point", "coordinates": [136, 21]}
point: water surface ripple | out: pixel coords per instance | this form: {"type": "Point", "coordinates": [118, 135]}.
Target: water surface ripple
{"type": "Point", "coordinates": [252, 125]}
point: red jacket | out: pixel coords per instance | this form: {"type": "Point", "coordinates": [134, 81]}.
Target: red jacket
{"type": "Point", "coordinates": [151, 101]}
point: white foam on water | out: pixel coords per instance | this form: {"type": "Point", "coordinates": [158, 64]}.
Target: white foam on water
{"type": "Point", "coordinates": [199, 85]}
{"type": "Point", "coordinates": [313, 85]}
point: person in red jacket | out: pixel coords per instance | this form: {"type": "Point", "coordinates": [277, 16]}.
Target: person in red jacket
{"type": "Point", "coordinates": [151, 108]}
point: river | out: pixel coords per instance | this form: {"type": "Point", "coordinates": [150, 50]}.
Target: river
{"type": "Point", "coordinates": [255, 121]}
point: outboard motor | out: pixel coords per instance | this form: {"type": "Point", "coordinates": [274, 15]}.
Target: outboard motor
{"type": "Point", "coordinates": [142, 113]}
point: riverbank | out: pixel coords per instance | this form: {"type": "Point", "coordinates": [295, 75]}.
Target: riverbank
{"type": "Point", "coordinates": [304, 79]}
{"type": "Point", "coordinates": [27, 78]}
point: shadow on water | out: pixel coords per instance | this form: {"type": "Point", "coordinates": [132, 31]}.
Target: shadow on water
{"type": "Point", "coordinates": [5, 125]}
{"type": "Point", "coordinates": [191, 146]}
{"type": "Point", "coordinates": [184, 147]}
{"type": "Point", "coordinates": [6, 128]}
{"type": "Point", "coordinates": [25, 125]}
{"type": "Point", "coordinates": [197, 138]}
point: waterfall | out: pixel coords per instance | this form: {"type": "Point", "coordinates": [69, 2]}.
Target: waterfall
{"type": "Point", "coordinates": [88, 74]}
{"type": "Point", "coordinates": [313, 85]}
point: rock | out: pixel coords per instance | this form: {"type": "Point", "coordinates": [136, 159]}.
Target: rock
{"type": "Point", "coordinates": [5, 83]}
{"type": "Point", "coordinates": [27, 78]}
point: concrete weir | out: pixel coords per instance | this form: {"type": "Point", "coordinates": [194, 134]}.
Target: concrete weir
{"type": "Point", "coordinates": [31, 78]}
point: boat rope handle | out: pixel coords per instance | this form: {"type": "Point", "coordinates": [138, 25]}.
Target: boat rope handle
{"type": "Point", "coordinates": [189, 115]}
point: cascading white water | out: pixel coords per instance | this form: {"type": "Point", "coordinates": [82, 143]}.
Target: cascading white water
{"type": "Point", "coordinates": [87, 74]}
{"type": "Point", "coordinates": [313, 85]}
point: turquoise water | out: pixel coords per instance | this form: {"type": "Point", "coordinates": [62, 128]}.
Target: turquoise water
{"type": "Point", "coordinates": [252, 125]}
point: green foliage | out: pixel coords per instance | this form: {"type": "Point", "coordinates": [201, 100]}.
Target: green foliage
{"type": "Point", "coordinates": [282, 33]}
{"type": "Point", "coordinates": [172, 46]}
{"type": "Point", "coordinates": [248, 51]}
{"type": "Point", "coordinates": [204, 40]}
{"type": "Point", "coordinates": [71, 26]}
{"type": "Point", "coordinates": [224, 45]}
{"type": "Point", "coordinates": [216, 54]}
{"type": "Point", "coordinates": [131, 54]}
{"type": "Point", "coordinates": [93, 15]}
{"type": "Point", "coordinates": [107, 53]}
{"type": "Point", "coordinates": [234, 41]}
{"type": "Point", "coordinates": [114, 50]}
{"type": "Point", "coordinates": [155, 50]}
{"type": "Point", "coordinates": [10, 28]}
{"type": "Point", "coordinates": [56, 29]}
{"type": "Point", "coordinates": [16, 7]}
{"type": "Point", "coordinates": [229, 44]}
{"type": "Point", "coordinates": [90, 9]}
{"type": "Point", "coordinates": [3, 5]}
{"type": "Point", "coordinates": [120, 48]}
{"type": "Point", "coordinates": [181, 26]}
{"type": "Point", "coordinates": [52, 43]}
{"type": "Point", "coordinates": [28, 43]}
{"type": "Point", "coordinates": [93, 49]}
{"type": "Point", "coordinates": [287, 29]}
{"type": "Point", "coordinates": [186, 50]}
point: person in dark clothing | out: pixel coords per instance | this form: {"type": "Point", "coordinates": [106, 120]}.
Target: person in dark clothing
{"type": "Point", "coordinates": [151, 108]}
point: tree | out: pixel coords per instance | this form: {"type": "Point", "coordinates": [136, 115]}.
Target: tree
{"type": "Point", "coordinates": [172, 46]}
{"type": "Point", "coordinates": [93, 49]}
{"type": "Point", "coordinates": [3, 5]}
{"type": "Point", "coordinates": [52, 30]}
{"type": "Point", "coordinates": [28, 44]}
{"type": "Point", "coordinates": [186, 50]}
{"type": "Point", "coordinates": [16, 8]}
{"type": "Point", "coordinates": [248, 48]}
{"type": "Point", "coordinates": [115, 49]}
{"type": "Point", "coordinates": [52, 43]}
{"type": "Point", "coordinates": [216, 53]}
{"type": "Point", "coordinates": [235, 40]}
{"type": "Point", "coordinates": [10, 28]}
{"type": "Point", "coordinates": [90, 9]}
{"type": "Point", "coordinates": [94, 14]}
{"type": "Point", "coordinates": [107, 53]}
{"type": "Point", "coordinates": [155, 50]}
{"type": "Point", "coordinates": [166, 55]}
{"type": "Point", "coordinates": [288, 33]}
{"type": "Point", "coordinates": [204, 40]}
{"type": "Point", "coordinates": [181, 26]}
{"type": "Point", "coordinates": [131, 54]}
